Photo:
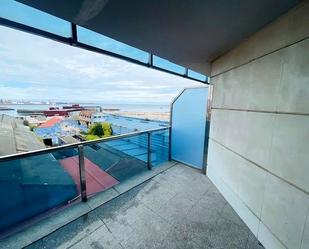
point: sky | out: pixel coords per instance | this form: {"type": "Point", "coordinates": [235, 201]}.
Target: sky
{"type": "Point", "coordinates": [36, 68]}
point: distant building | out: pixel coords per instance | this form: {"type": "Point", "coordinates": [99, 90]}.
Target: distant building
{"type": "Point", "coordinates": [98, 117]}
{"type": "Point", "coordinates": [15, 137]}
{"type": "Point", "coordinates": [56, 127]}
{"type": "Point", "coordinates": [35, 120]}
{"type": "Point", "coordinates": [51, 122]}
{"type": "Point", "coordinates": [62, 112]}
{"type": "Point", "coordinates": [85, 117]}
{"type": "Point", "coordinates": [67, 140]}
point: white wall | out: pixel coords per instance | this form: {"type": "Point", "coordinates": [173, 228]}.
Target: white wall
{"type": "Point", "coordinates": [259, 139]}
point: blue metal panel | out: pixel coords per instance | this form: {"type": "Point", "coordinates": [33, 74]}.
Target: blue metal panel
{"type": "Point", "coordinates": [189, 126]}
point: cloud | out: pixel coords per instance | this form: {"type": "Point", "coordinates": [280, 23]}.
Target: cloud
{"type": "Point", "coordinates": [32, 67]}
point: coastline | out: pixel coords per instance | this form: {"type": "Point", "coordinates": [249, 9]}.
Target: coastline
{"type": "Point", "coordinates": [151, 115]}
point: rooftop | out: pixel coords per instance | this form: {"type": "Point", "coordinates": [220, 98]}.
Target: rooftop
{"type": "Point", "coordinates": [178, 208]}
{"type": "Point", "coordinates": [51, 122]}
{"type": "Point", "coordinates": [16, 137]}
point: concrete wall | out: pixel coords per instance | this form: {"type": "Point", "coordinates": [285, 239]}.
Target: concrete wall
{"type": "Point", "coordinates": [259, 139]}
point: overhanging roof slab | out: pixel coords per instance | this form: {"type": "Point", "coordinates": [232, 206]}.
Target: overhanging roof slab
{"type": "Point", "coordinates": [189, 33]}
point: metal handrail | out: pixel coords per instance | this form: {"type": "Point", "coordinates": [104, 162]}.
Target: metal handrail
{"type": "Point", "coordinates": [75, 145]}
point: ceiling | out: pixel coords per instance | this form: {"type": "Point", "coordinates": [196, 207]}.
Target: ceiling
{"type": "Point", "coordinates": [190, 33]}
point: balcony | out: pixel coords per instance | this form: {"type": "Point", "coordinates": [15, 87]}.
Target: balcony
{"type": "Point", "coordinates": [117, 192]}
{"type": "Point", "coordinates": [124, 191]}
{"type": "Point", "coordinates": [177, 208]}
{"type": "Point", "coordinates": [148, 189]}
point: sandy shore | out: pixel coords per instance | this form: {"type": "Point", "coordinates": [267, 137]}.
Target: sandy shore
{"type": "Point", "coordinates": [163, 116]}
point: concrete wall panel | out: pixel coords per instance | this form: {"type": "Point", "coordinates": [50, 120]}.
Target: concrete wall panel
{"type": "Point", "coordinates": [268, 239]}
{"type": "Point", "coordinates": [243, 211]}
{"type": "Point", "coordinates": [241, 129]}
{"type": "Point", "coordinates": [283, 212]}
{"type": "Point", "coordinates": [305, 240]}
{"type": "Point", "coordinates": [289, 157]}
{"type": "Point", "coordinates": [259, 150]}
{"type": "Point", "coordinates": [228, 91]}
{"type": "Point", "coordinates": [294, 92]}
{"type": "Point", "coordinates": [244, 179]}
{"type": "Point", "coordinates": [260, 78]}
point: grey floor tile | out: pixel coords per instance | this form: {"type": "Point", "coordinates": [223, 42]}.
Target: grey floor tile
{"type": "Point", "coordinates": [119, 204]}
{"type": "Point", "coordinates": [155, 195]}
{"type": "Point", "coordinates": [120, 228]}
{"type": "Point", "coordinates": [69, 234]}
{"type": "Point", "coordinates": [226, 234]}
{"type": "Point", "coordinates": [99, 239]}
{"type": "Point", "coordinates": [212, 201]}
{"type": "Point", "coordinates": [182, 237]}
{"type": "Point", "coordinates": [176, 209]}
{"type": "Point", "coordinates": [118, 246]}
{"type": "Point", "coordinates": [148, 236]}
{"type": "Point", "coordinates": [192, 187]}
{"type": "Point", "coordinates": [179, 208]}
{"type": "Point", "coordinates": [198, 231]}
{"type": "Point", "coordinates": [140, 215]}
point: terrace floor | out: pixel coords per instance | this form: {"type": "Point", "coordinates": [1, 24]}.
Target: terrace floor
{"type": "Point", "coordinates": [179, 208]}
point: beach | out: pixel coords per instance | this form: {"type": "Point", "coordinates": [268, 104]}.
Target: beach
{"type": "Point", "coordinates": [151, 115]}
{"type": "Point", "coordinates": [144, 111]}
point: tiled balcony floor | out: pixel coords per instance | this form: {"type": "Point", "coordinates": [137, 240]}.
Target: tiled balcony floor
{"type": "Point", "coordinates": [179, 208]}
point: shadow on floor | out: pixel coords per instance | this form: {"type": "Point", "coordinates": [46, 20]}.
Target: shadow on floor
{"type": "Point", "coordinates": [179, 208]}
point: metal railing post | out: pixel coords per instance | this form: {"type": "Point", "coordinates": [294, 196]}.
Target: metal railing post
{"type": "Point", "coordinates": [149, 150]}
{"type": "Point", "coordinates": [170, 143]}
{"type": "Point", "coordinates": [82, 175]}
{"type": "Point", "coordinates": [207, 127]}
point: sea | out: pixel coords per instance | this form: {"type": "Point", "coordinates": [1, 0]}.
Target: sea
{"type": "Point", "coordinates": [123, 107]}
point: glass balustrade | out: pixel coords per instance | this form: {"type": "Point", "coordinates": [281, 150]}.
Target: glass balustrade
{"type": "Point", "coordinates": [35, 184]}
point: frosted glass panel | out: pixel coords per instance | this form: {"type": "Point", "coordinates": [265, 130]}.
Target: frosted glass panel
{"type": "Point", "coordinates": [189, 127]}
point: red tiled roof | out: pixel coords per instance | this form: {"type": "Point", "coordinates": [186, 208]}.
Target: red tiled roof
{"type": "Point", "coordinates": [51, 122]}
{"type": "Point", "coordinates": [96, 178]}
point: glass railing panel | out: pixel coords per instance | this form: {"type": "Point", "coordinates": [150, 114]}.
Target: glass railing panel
{"type": "Point", "coordinates": [167, 65]}
{"type": "Point", "coordinates": [159, 147]}
{"type": "Point", "coordinates": [196, 75]}
{"type": "Point", "coordinates": [118, 129]}
{"type": "Point", "coordinates": [41, 182]}
{"type": "Point", "coordinates": [97, 40]}
{"type": "Point", "coordinates": [112, 162]}
{"type": "Point", "coordinates": [37, 184]}
{"type": "Point", "coordinates": [17, 12]}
